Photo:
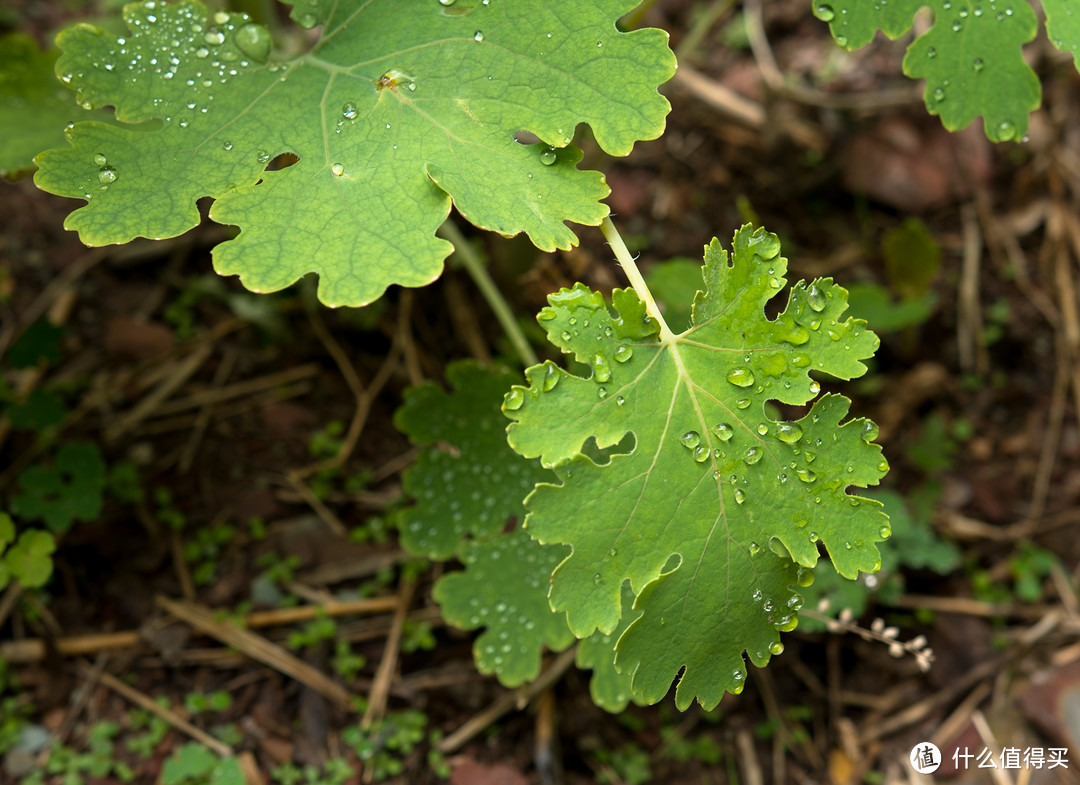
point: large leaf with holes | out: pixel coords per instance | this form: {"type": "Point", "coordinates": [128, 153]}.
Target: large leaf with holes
{"type": "Point", "coordinates": [717, 511]}
{"type": "Point", "coordinates": [971, 56]}
{"type": "Point", "coordinates": [399, 109]}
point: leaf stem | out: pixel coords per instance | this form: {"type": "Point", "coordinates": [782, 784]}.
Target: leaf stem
{"type": "Point", "coordinates": [626, 261]}
{"type": "Point", "coordinates": [475, 266]}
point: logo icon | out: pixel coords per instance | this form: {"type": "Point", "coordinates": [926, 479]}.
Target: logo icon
{"type": "Point", "coordinates": [925, 757]}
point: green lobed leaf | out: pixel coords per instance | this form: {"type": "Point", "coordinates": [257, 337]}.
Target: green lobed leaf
{"type": "Point", "coordinates": [7, 531]}
{"type": "Point", "coordinates": [40, 410]}
{"type": "Point", "coordinates": [40, 343]}
{"type": "Point", "coordinates": [34, 107]}
{"type": "Point", "coordinates": [717, 511]}
{"type": "Point", "coordinates": [69, 489]}
{"type": "Point", "coordinates": [1063, 26]}
{"type": "Point", "coordinates": [470, 485]}
{"type": "Point", "coordinates": [190, 761]}
{"type": "Point", "coordinates": [503, 589]}
{"type": "Point", "coordinates": [971, 57]}
{"type": "Point", "coordinates": [397, 111]}
{"type": "Point", "coordinates": [467, 480]}
{"type": "Point", "coordinates": [912, 546]}
{"type": "Point", "coordinates": [29, 559]}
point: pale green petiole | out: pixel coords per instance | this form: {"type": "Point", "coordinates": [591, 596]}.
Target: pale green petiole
{"type": "Point", "coordinates": [622, 253]}
{"type": "Point", "coordinates": [474, 265]}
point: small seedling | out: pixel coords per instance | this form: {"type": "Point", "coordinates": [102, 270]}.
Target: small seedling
{"type": "Point", "coordinates": [217, 701]}
{"type": "Point", "coordinates": [346, 663]}
{"type": "Point", "coordinates": [627, 764]}
{"type": "Point", "coordinates": [383, 748]}
{"type": "Point", "coordinates": [194, 764]}
{"type": "Point", "coordinates": [321, 628]}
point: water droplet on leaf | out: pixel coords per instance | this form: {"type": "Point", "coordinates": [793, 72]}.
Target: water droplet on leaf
{"type": "Point", "coordinates": [337, 169]}
{"type": "Point", "coordinates": [547, 158]}
{"type": "Point", "coordinates": [551, 378]}
{"type": "Point", "coordinates": [789, 432]}
{"type": "Point", "coordinates": [752, 456]}
{"type": "Point", "coordinates": [765, 245]}
{"type": "Point", "coordinates": [514, 399]}
{"type": "Point", "coordinates": [776, 648]}
{"type": "Point", "coordinates": [690, 439]}
{"type": "Point", "coordinates": [701, 453]}
{"type": "Point", "coordinates": [723, 432]}
{"type": "Point", "coordinates": [107, 175]}
{"type": "Point", "coordinates": [623, 353]}
{"type": "Point", "coordinates": [869, 431]}
{"type": "Point", "coordinates": [740, 496]}
{"type": "Point", "coordinates": [798, 335]}
{"type": "Point", "coordinates": [254, 41]}
{"type": "Point", "coordinates": [478, 36]}
{"type": "Point", "coordinates": [348, 111]}
{"type": "Point", "coordinates": [601, 370]}
{"type": "Point", "coordinates": [816, 299]}
{"type": "Point", "coordinates": [741, 377]}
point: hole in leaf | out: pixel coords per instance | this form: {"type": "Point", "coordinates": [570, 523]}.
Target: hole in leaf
{"type": "Point", "coordinates": [672, 563]}
{"type": "Point", "coordinates": [283, 161]}
{"type": "Point", "coordinates": [458, 8]}
{"type": "Point", "coordinates": [602, 456]}
{"type": "Point", "coordinates": [526, 137]}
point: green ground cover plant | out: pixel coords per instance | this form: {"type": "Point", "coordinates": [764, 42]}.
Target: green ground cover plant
{"type": "Point", "coordinates": [669, 514]}
{"type": "Point", "coordinates": [669, 453]}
